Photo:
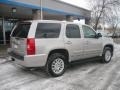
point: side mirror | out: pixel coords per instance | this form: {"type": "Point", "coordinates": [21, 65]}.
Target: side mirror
{"type": "Point", "coordinates": [98, 35]}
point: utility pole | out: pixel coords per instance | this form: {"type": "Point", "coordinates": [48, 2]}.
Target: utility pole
{"type": "Point", "coordinates": [41, 10]}
{"type": "Point", "coordinates": [4, 35]}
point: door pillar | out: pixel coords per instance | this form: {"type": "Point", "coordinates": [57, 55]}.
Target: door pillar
{"type": "Point", "coordinates": [37, 14]}
{"type": "Point", "coordinates": [69, 18]}
{"type": "Point", "coordinates": [87, 21]}
{"type": "Point", "coordinates": [4, 35]}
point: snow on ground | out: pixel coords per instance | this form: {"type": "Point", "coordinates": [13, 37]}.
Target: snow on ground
{"type": "Point", "coordinates": [116, 50]}
{"type": "Point", "coordinates": [84, 76]}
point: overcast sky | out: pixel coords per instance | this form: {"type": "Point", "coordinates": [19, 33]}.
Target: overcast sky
{"type": "Point", "coordinates": [80, 3]}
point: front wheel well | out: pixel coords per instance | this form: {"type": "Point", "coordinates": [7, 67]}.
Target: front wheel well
{"type": "Point", "coordinates": [62, 51]}
{"type": "Point", "coordinates": [110, 46]}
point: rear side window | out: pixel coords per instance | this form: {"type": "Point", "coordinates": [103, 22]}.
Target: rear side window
{"type": "Point", "coordinates": [72, 31]}
{"type": "Point", "coordinates": [48, 30]}
{"type": "Point", "coordinates": [21, 30]}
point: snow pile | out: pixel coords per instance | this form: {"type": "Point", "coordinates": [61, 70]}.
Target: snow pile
{"type": "Point", "coordinates": [2, 60]}
{"type": "Point", "coordinates": [116, 50]}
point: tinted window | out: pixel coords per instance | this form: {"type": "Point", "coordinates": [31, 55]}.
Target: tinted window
{"type": "Point", "coordinates": [21, 30]}
{"type": "Point", "coordinates": [48, 30]}
{"type": "Point", "coordinates": [72, 31]}
{"type": "Point", "coordinates": [88, 32]}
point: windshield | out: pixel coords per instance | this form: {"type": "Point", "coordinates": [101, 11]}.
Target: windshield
{"type": "Point", "coordinates": [21, 30]}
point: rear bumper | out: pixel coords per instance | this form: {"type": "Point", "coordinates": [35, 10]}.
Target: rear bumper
{"type": "Point", "coordinates": [29, 60]}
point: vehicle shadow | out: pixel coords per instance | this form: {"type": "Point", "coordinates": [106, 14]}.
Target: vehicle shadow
{"type": "Point", "coordinates": [40, 72]}
{"type": "Point", "coordinates": [84, 64]}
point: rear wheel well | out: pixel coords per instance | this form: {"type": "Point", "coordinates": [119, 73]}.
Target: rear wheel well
{"type": "Point", "coordinates": [110, 46]}
{"type": "Point", "coordinates": [62, 51]}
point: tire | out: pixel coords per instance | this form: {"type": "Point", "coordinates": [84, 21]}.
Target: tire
{"type": "Point", "coordinates": [107, 55]}
{"type": "Point", "coordinates": [56, 65]}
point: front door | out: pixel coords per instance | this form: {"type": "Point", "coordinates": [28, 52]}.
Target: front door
{"type": "Point", "coordinates": [92, 45]}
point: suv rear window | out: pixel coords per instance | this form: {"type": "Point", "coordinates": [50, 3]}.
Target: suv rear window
{"type": "Point", "coordinates": [48, 30]}
{"type": "Point", "coordinates": [21, 30]}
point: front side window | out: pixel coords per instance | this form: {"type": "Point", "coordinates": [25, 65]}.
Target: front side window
{"type": "Point", "coordinates": [72, 31]}
{"type": "Point", "coordinates": [88, 32]}
{"type": "Point", "coordinates": [48, 30]}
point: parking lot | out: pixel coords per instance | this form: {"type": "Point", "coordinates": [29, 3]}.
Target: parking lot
{"type": "Point", "coordinates": [85, 76]}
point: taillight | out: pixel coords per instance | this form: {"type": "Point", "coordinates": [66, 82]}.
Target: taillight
{"type": "Point", "coordinates": [30, 46]}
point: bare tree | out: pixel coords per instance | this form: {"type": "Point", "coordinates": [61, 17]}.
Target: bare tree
{"type": "Point", "coordinates": [114, 21]}
{"type": "Point", "coordinates": [102, 9]}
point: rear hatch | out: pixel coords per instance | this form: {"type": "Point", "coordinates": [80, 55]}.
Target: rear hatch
{"type": "Point", "coordinates": [19, 38]}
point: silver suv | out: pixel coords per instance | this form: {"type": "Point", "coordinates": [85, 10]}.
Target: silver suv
{"type": "Point", "coordinates": [55, 44]}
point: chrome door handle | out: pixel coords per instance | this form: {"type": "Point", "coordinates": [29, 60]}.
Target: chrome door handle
{"type": "Point", "coordinates": [68, 42]}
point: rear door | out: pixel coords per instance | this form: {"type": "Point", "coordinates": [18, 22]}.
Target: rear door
{"type": "Point", "coordinates": [19, 38]}
{"type": "Point", "coordinates": [92, 45]}
{"type": "Point", "coordinates": [73, 41]}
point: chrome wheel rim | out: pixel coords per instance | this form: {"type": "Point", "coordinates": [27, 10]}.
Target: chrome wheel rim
{"type": "Point", "coordinates": [108, 55]}
{"type": "Point", "coordinates": [58, 66]}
